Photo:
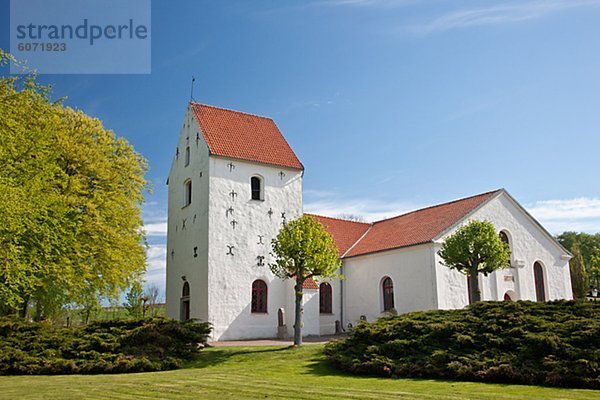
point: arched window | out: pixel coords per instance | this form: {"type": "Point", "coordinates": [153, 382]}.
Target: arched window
{"type": "Point", "coordinates": [504, 239]}
{"type": "Point", "coordinates": [325, 298]}
{"type": "Point", "coordinates": [259, 296]}
{"type": "Point", "coordinates": [187, 188]}
{"type": "Point", "coordinates": [388, 294]}
{"type": "Point", "coordinates": [257, 188]}
{"type": "Point", "coordinates": [538, 274]}
{"type": "Point", "coordinates": [185, 302]}
{"type": "Point", "coordinates": [187, 156]}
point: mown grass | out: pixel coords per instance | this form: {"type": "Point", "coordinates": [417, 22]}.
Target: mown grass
{"type": "Point", "coordinates": [264, 372]}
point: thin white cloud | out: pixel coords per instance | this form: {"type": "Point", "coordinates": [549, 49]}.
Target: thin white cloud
{"type": "Point", "coordinates": [335, 205]}
{"type": "Point", "coordinates": [156, 269]}
{"type": "Point", "coordinates": [500, 13]}
{"type": "Point", "coordinates": [366, 3]}
{"type": "Point", "coordinates": [579, 214]}
{"type": "Point", "coordinates": [156, 229]}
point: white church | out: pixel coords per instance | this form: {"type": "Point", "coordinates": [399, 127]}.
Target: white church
{"type": "Point", "coordinates": [235, 180]}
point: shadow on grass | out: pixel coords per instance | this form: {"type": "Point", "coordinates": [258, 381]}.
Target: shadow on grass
{"type": "Point", "coordinates": [216, 356]}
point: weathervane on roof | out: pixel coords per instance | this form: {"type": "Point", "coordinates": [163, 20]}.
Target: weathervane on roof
{"type": "Point", "coordinates": [192, 89]}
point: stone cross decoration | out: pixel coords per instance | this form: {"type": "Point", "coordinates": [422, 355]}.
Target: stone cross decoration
{"type": "Point", "coordinates": [230, 250]}
{"type": "Point", "coordinates": [233, 195]}
{"type": "Point", "coordinates": [260, 239]}
{"type": "Point", "coordinates": [260, 261]}
{"type": "Point", "coordinates": [231, 166]}
{"type": "Point", "coordinates": [234, 223]}
{"type": "Point", "coordinates": [229, 211]}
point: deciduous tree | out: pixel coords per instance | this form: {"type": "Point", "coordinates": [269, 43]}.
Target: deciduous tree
{"type": "Point", "coordinates": [579, 278]}
{"type": "Point", "coordinates": [70, 197]}
{"type": "Point", "coordinates": [303, 249]}
{"type": "Point", "coordinates": [473, 249]}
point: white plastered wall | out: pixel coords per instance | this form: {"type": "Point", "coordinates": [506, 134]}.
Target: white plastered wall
{"type": "Point", "coordinates": [231, 276]}
{"type": "Point", "coordinates": [181, 240]}
{"type": "Point", "coordinates": [412, 273]}
{"type": "Point", "coordinates": [528, 243]}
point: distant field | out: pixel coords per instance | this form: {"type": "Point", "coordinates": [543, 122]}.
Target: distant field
{"type": "Point", "coordinates": [76, 317]}
{"type": "Point", "coordinates": [264, 372]}
{"type": "Point", "coordinates": [120, 312]}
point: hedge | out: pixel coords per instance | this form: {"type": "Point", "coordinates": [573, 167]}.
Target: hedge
{"type": "Point", "coordinates": [555, 343]}
{"type": "Point", "coordinates": [117, 346]}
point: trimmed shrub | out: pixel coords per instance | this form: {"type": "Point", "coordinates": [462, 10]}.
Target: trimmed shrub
{"type": "Point", "coordinates": [151, 344]}
{"type": "Point", "coordinates": [555, 343]}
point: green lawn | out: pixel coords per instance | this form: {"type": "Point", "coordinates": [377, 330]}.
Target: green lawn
{"type": "Point", "coordinates": [264, 372]}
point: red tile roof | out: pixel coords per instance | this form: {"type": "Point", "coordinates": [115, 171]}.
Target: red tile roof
{"type": "Point", "coordinates": [310, 284]}
{"type": "Point", "coordinates": [345, 233]}
{"type": "Point", "coordinates": [249, 137]}
{"type": "Point", "coordinates": [416, 227]}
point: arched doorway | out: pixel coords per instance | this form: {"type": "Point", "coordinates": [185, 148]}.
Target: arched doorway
{"type": "Point", "coordinates": [184, 314]}
{"type": "Point", "coordinates": [510, 295]}
{"type": "Point", "coordinates": [538, 274]}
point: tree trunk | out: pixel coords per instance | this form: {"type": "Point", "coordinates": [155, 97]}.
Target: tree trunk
{"type": "Point", "coordinates": [299, 312]}
{"type": "Point", "coordinates": [24, 307]}
{"type": "Point", "coordinates": [476, 293]}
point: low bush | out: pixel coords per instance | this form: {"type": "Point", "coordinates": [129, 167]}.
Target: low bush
{"type": "Point", "coordinates": [151, 344]}
{"type": "Point", "coordinates": [555, 343]}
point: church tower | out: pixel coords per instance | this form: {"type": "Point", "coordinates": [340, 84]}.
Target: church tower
{"type": "Point", "coordinates": [233, 181]}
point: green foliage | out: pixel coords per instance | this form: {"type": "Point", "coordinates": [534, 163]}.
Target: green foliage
{"type": "Point", "coordinates": [589, 247]}
{"type": "Point", "coordinates": [134, 304]}
{"type": "Point", "coordinates": [116, 346]}
{"type": "Point", "coordinates": [579, 278]}
{"type": "Point", "coordinates": [589, 244]}
{"type": "Point", "coordinates": [70, 196]}
{"type": "Point", "coordinates": [303, 249]}
{"type": "Point", "coordinates": [555, 343]}
{"type": "Point", "coordinates": [475, 248]}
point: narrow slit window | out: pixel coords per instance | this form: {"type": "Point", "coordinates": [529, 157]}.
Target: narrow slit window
{"type": "Point", "coordinates": [187, 156]}
{"type": "Point", "coordinates": [187, 200]}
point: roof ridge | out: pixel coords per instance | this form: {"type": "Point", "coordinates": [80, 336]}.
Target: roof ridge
{"type": "Point", "coordinates": [231, 110]}
{"type": "Point", "coordinates": [439, 205]}
{"type": "Point", "coordinates": [357, 241]}
{"type": "Point", "coordinates": [339, 219]}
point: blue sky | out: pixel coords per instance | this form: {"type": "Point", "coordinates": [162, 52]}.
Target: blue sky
{"type": "Point", "coordinates": [390, 105]}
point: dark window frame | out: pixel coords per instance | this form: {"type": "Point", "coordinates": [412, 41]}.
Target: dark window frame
{"type": "Point", "coordinates": [256, 188]}
{"type": "Point", "coordinates": [185, 302]}
{"type": "Point", "coordinates": [538, 276]}
{"type": "Point", "coordinates": [260, 297]}
{"type": "Point", "coordinates": [387, 287]}
{"type": "Point", "coordinates": [325, 298]}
